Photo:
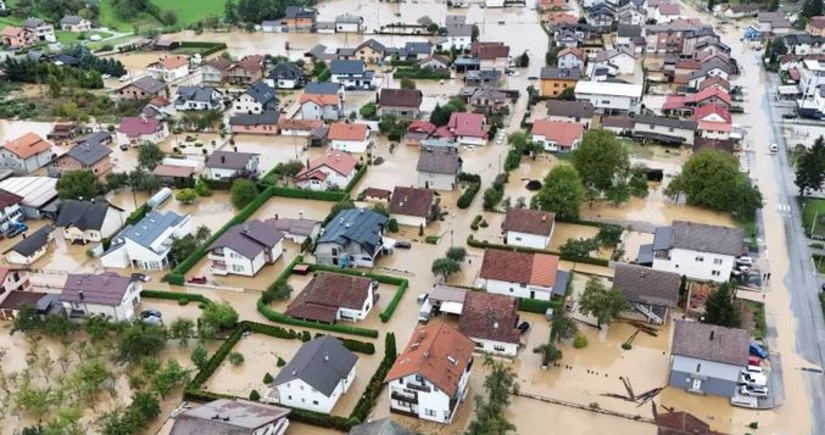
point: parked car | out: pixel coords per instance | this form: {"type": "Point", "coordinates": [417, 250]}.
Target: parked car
{"type": "Point", "coordinates": [755, 379]}
{"type": "Point", "coordinates": [524, 327]}
{"type": "Point", "coordinates": [197, 280]}
{"type": "Point", "coordinates": [758, 392]}
{"type": "Point", "coordinates": [403, 244]}
{"type": "Point", "coordinates": [744, 261]}
{"type": "Point", "coordinates": [152, 317]}
{"type": "Point", "coordinates": [789, 115]}
{"type": "Point", "coordinates": [757, 350]}
{"type": "Point", "coordinates": [752, 369]}
{"type": "Point", "coordinates": [754, 361]}
{"type": "Point", "coordinates": [774, 147]}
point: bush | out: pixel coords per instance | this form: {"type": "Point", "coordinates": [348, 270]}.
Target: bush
{"type": "Point", "coordinates": [466, 198]}
{"type": "Point", "coordinates": [236, 358]}
{"type": "Point", "coordinates": [268, 377]}
{"type": "Point", "coordinates": [254, 396]}
{"type": "Point", "coordinates": [580, 341]}
{"type": "Point", "coordinates": [536, 306]}
{"type": "Point", "coordinates": [420, 74]}
{"type": "Point", "coordinates": [138, 214]}
{"type": "Point", "coordinates": [243, 191]}
{"type": "Point", "coordinates": [175, 296]}
{"type": "Point", "coordinates": [432, 240]}
{"type": "Point", "coordinates": [475, 222]}
{"type": "Point", "coordinates": [627, 346]}
{"type": "Point", "coordinates": [362, 169]}
{"type": "Point", "coordinates": [183, 301]}
{"type": "Point", "coordinates": [396, 299]}
{"type": "Point", "coordinates": [392, 225]}
{"type": "Point", "coordinates": [280, 363]}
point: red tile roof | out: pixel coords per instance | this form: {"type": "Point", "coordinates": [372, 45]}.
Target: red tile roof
{"type": "Point", "coordinates": [437, 353]}
{"type": "Point", "coordinates": [320, 99]}
{"type": "Point", "coordinates": [711, 109]}
{"type": "Point", "coordinates": [8, 199]}
{"type": "Point", "coordinates": [676, 102]}
{"type": "Point", "coordinates": [347, 131]}
{"type": "Point", "coordinates": [467, 124]}
{"type": "Point", "coordinates": [715, 80]}
{"type": "Point", "coordinates": [562, 18]}
{"type": "Point", "coordinates": [419, 126]}
{"type": "Point", "coordinates": [134, 126]}
{"type": "Point", "coordinates": [571, 50]}
{"type": "Point", "coordinates": [490, 316]}
{"type": "Point", "coordinates": [520, 267]}
{"type": "Point", "coordinates": [326, 293]}
{"type": "Point", "coordinates": [340, 162]}
{"type": "Point", "coordinates": [706, 93]}
{"type": "Point", "coordinates": [715, 126]}
{"type": "Point", "coordinates": [669, 9]}
{"type": "Point", "coordinates": [171, 62]}
{"type": "Point", "coordinates": [28, 145]}
{"type": "Point", "coordinates": [565, 134]}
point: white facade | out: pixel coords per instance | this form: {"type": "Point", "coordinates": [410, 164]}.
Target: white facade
{"type": "Point", "coordinates": [686, 135]}
{"type": "Point", "coordinates": [553, 146]}
{"type": "Point", "coordinates": [111, 224]}
{"type": "Point", "coordinates": [151, 257]}
{"type": "Point", "coordinates": [159, 72]}
{"type": "Point", "coordinates": [492, 347]}
{"type": "Point", "coordinates": [313, 110]}
{"type": "Point", "coordinates": [332, 179]}
{"type": "Point", "coordinates": [246, 104]}
{"type": "Point", "coordinates": [351, 314]}
{"type": "Point", "coordinates": [611, 97]}
{"type": "Point", "coordinates": [214, 103]}
{"type": "Point", "coordinates": [624, 62]}
{"type": "Point", "coordinates": [457, 42]}
{"type": "Point", "coordinates": [226, 261]}
{"type": "Point", "coordinates": [433, 404]}
{"type": "Point", "coordinates": [21, 166]}
{"type": "Point", "coordinates": [570, 60]}
{"type": "Point", "coordinates": [17, 258]}
{"type": "Point", "coordinates": [351, 146]}
{"type": "Point", "coordinates": [517, 290]}
{"type": "Point", "coordinates": [432, 180]}
{"type": "Point", "coordinates": [9, 215]}
{"type": "Point", "coordinates": [494, 3]}
{"type": "Point", "coordinates": [703, 266]}
{"type": "Point", "coordinates": [411, 221]}
{"type": "Point", "coordinates": [298, 394]}
{"type": "Point", "coordinates": [471, 140]}
{"type": "Point", "coordinates": [123, 312]}
{"type": "Point", "coordinates": [341, 27]}
{"type": "Point", "coordinates": [158, 136]}
{"type": "Point", "coordinates": [535, 241]}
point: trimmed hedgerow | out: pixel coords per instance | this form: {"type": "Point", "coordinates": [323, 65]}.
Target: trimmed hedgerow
{"type": "Point", "coordinates": [175, 296]}
{"type": "Point", "coordinates": [396, 299]}
{"type": "Point", "coordinates": [362, 169]}
{"type": "Point", "coordinates": [484, 244]}
{"type": "Point", "coordinates": [274, 316]}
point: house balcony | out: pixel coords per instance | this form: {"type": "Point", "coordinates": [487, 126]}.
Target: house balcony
{"type": "Point", "coordinates": [418, 387]}
{"type": "Point", "coordinates": [404, 397]}
{"type": "Point", "coordinates": [218, 268]}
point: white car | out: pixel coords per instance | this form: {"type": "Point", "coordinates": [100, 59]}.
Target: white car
{"type": "Point", "coordinates": [758, 392]}
{"type": "Point", "coordinates": [774, 148]}
{"type": "Point", "coordinates": [470, 147]}
{"type": "Point", "coordinates": [124, 78]}
{"type": "Point", "coordinates": [753, 369]}
{"type": "Point", "coordinates": [754, 379]}
{"type": "Point", "coordinates": [744, 261]}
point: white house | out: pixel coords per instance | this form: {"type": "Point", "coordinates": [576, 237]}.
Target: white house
{"type": "Point", "coordinates": [10, 212]}
{"type": "Point", "coordinates": [349, 137]}
{"type": "Point", "coordinates": [491, 321]}
{"type": "Point", "coordinates": [528, 228]}
{"type": "Point", "coordinates": [43, 29]}
{"type": "Point", "coordinates": [245, 248]}
{"type": "Point", "coordinates": [459, 37]}
{"type": "Point", "coordinates": [169, 68]}
{"type": "Point", "coordinates": [621, 60]}
{"type": "Point", "coordinates": [317, 376]}
{"type": "Point", "coordinates": [570, 111]}
{"type": "Point", "coordinates": [466, 128]}
{"type": "Point", "coordinates": [351, 74]}
{"type": "Point", "coordinates": [557, 135]}
{"type": "Point", "coordinates": [699, 251]}
{"type": "Point", "coordinates": [134, 130]}
{"type": "Point", "coordinates": [73, 23]}
{"type": "Point", "coordinates": [609, 97]}
{"type": "Point", "coordinates": [327, 107]}
{"type": "Point", "coordinates": [147, 243]}
{"type": "Point", "coordinates": [332, 170]}
{"type": "Point", "coordinates": [663, 129]}
{"type": "Point", "coordinates": [88, 221]}
{"type": "Point", "coordinates": [239, 417]}
{"type": "Point", "coordinates": [570, 58]}
{"type": "Point", "coordinates": [438, 170]}
{"type": "Point", "coordinates": [494, 3]}
{"type": "Point", "coordinates": [349, 23]}
{"type": "Point", "coordinates": [650, 292]}
{"type": "Point", "coordinates": [429, 378]}
{"type": "Point", "coordinates": [412, 206]}
{"type": "Point", "coordinates": [198, 98]}
{"type": "Point", "coordinates": [31, 248]}
{"type": "Point", "coordinates": [259, 98]}
{"type": "Point", "coordinates": [354, 237]}
{"type": "Point", "coordinates": [26, 154]}
{"type": "Point", "coordinates": [226, 165]}
{"type": "Point", "coordinates": [296, 230]}
{"type": "Point", "coordinates": [107, 294]}
{"type": "Point", "coordinates": [519, 274]}
{"type": "Point", "coordinates": [332, 297]}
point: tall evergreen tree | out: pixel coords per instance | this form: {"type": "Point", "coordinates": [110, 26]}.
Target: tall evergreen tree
{"type": "Point", "coordinates": [721, 308]}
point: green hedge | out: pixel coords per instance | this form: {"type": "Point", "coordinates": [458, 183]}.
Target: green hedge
{"type": "Point", "coordinates": [367, 401]}
{"type": "Point", "coordinates": [577, 221]}
{"type": "Point", "coordinates": [277, 317]}
{"type": "Point", "coordinates": [138, 214]}
{"type": "Point", "coordinates": [209, 47]}
{"type": "Point", "coordinates": [484, 244]}
{"type": "Point", "coordinates": [466, 198]}
{"type": "Point", "coordinates": [362, 169]}
{"type": "Point", "coordinates": [202, 376]}
{"type": "Point", "coordinates": [537, 306]}
{"type": "Point", "coordinates": [420, 74]}
{"type": "Point", "coordinates": [396, 299]}
{"type": "Point", "coordinates": [324, 75]}
{"type": "Point", "coordinates": [383, 279]}
{"type": "Point", "coordinates": [320, 195]}
{"type": "Point", "coordinates": [175, 296]}
{"type": "Point", "coordinates": [291, 334]}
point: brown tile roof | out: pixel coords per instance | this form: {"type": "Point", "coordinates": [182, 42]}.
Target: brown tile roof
{"type": "Point", "coordinates": [711, 342]}
{"type": "Point", "coordinates": [400, 98]}
{"type": "Point", "coordinates": [320, 99]}
{"type": "Point", "coordinates": [28, 145]}
{"type": "Point", "coordinates": [682, 423]}
{"type": "Point", "coordinates": [520, 267]}
{"type": "Point", "coordinates": [347, 131]}
{"type": "Point", "coordinates": [647, 286]}
{"type": "Point", "coordinates": [253, 63]}
{"type": "Point", "coordinates": [524, 220]}
{"type": "Point", "coordinates": [103, 289]}
{"type": "Point", "coordinates": [374, 192]}
{"type": "Point", "coordinates": [491, 50]}
{"type": "Point", "coordinates": [436, 352]}
{"type": "Point", "coordinates": [411, 201]}
{"type": "Point", "coordinates": [171, 62]}
{"type": "Point", "coordinates": [326, 293]}
{"type": "Point", "coordinates": [219, 64]}
{"type": "Point", "coordinates": [16, 299]}
{"type": "Point", "coordinates": [8, 199]}
{"type": "Point", "coordinates": [340, 162]}
{"type": "Point", "coordinates": [489, 317]}
{"type": "Point", "coordinates": [299, 124]}
{"type": "Point", "coordinates": [173, 171]}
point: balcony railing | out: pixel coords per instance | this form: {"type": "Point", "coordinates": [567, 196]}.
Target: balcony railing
{"type": "Point", "coordinates": [401, 397]}
{"type": "Point", "coordinates": [418, 387]}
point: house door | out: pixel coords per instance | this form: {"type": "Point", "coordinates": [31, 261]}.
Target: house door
{"type": "Point", "coordinates": [697, 384]}
{"type": "Point", "coordinates": [335, 256]}
{"type": "Point", "coordinates": [532, 294]}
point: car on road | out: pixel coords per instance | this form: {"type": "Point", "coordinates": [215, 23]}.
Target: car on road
{"type": "Point", "coordinates": [754, 379]}
{"type": "Point", "coordinates": [790, 116]}
{"type": "Point", "coordinates": [124, 78]}
{"type": "Point", "coordinates": [744, 261]}
{"type": "Point", "coordinates": [532, 78]}
{"type": "Point", "coordinates": [403, 244]}
{"type": "Point", "coordinates": [774, 147]}
{"type": "Point", "coordinates": [470, 147]}
{"type": "Point", "coordinates": [758, 392]}
{"type": "Point", "coordinates": [151, 317]}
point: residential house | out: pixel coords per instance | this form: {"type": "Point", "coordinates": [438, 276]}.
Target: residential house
{"type": "Point", "coordinates": [173, 175]}
{"type": "Point", "coordinates": [237, 417]}
{"type": "Point", "coordinates": [568, 39]}
{"type": "Point", "coordinates": [571, 58]}
{"type": "Point", "coordinates": [299, 18]}
{"type": "Point", "coordinates": [438, 170]}
{"type": "Point", "coordinates": [483, 78]}
{"type": "Point", "coordinates": [316, 377]}
{"type": "Point", "coordinates": [465, 128]}
{"type": "Point", "coordinates": [332, 297]}
{"type": "Point", "coordinates": [519, 274]}
{"type": "Point", "coordinates": [39, 195]}
{"type": "Point", "coordinates": [459, 37]}
{"type": "Point", "coordinates": [147, 243]}
{"type": "Point", "coordinates": [158, 108]}
{"type": "Point", "coordinates": [742, 11]}
{"type": "Point", "coordinates": [773, 22]}
{"type": "Point", "coordinates": [802, 44]}
{"type": "Point", "coordinates": [714, 122]}
{"type": "Point", "coordinates": [555, 19]}
{"type": "Point", "coordinates": [144, 88]}
{"type": "Point", "coordinates": [245, 248]}
{"type": "Point", "coordinates": [488, 100]}
{"type": "Point", "coordinates": [75, 24]}
{"type": "Point", "coordinates": [215, 71]}
{"type": "Point", "coordinates": [258, 99]}
{"type": "Point", "coordinates": [286, 75]}
{"type": "Point", "coordinates": [412, 206]}
{"type": "Point", "coordinates": [601, 16]}
{"type": "Point", "coordinates": [528, 228]}
{"type": "Point", "coordinates": [333, 170]}
{"type": "Point", "coordinates": [557, 136]}
{"type": "Point", "coordinates": [815, 26]}
{"type": "Point", "coordinates": [296, 230]}
{"type": "Point", "coordinates": [169, 68]}
{"type": "Point", "coordinates": [84, 156]}
{"type": "Point", "coordinates": [10, 212]}
{"type": "Point", "coordinates": [435, 62]}
{"type": "Point", "coordinates": [629, 15]}
{"type": "Point", "coordinates": [371, 52]}
{"type": "Point", "coordinates": [31, 248]}
{"type": "Point", "coordinates": [492, 55]}
{"type": "Point", "coordinates": [400, 103]}
{"type": "Point", "coordinates": [265, 123]}
{"type": "Point", "coordinates": [609, 97]}
{"type": "Point", "coordinates": [619, 61]}
{"type": "Point", "coordinates": [715, 82]}
{"type": "Point", "coordinates": [464, 64]}
{"type": "Point", "coordinates": [17, 37]}
{"type": "Point", "coordinates": [618, 124]}
{"type": "Point", "coordinates": [133, 130]}
{"type": "Point", "coordinates": [246, 71]}
{"type": "Point", "coordinates": [429, 378]}
{"type": "Point", "coordinates": [665, 130]}
{"type": "Point", "coordinates": [570, 111]}
{"type": "Point", "coordinates": [349, 23]}
{"type": "Point", "coordinates": [227, 165]}
{"type": "Point", "coordinates": [14, 280]}
{"type": "Point", "coordinates": [440, 145]}
{"type": "Point", "coordinates": [666, 13]}
{"type": "Point", "coordinates": [324, 88]}
{"type": "Point", "coordinates": [344, 53]}
{"type": "Point", "coordinates": [353, 238]}
{"type": "Point", "coordinates": [383, 426]}
{"type": "Point", "coordinates": [650, 292]}
{"type": "Point", "coordinates": [351, 74]}
{"type": "Point", "coordinates": [43, 30]}
{"type": "Point", "coordinates": [106, 294]}
{"type": "Point", "coordinates": [698, 251]}
{"type": "Point", "coordinates": [88, 221]}
{"type": "Point", "coordinates": [418, 131]}
{"type": "Point", "coordinates": [64, 132]}
{"type": "Point", "coordinates": [349, 137]}
{"type": "Point", "coordinates": [328, 107]}
{"type": "Point", "coordinates": [555, 80]}
{"type": "Point", "coordinates": [491, 321]}
{"type": "Point", "coordinates": [298, 127]}
{"type": "Point", "coordinates": [415, 51]}
{"type": "Point", "coordinates": [707, 358]}
{"type": "Point", "coordinates": [682, 423]}
{"type": "Point", "coordinates": [26, 154]}
{"type": "Point", "coordinates": [198, 98]}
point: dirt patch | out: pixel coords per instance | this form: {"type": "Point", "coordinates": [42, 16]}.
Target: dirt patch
{"type": "Point", "coordinates": [699, 293]}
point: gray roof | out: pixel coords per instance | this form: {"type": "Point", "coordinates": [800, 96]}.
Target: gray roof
{"type": "Point", "coordinates": [711, 342]}
{"type": "Point", "coordinates": [262, 93]}
{"type": "Point", "coordinates": [645, 255]}
{"type": "Point", "coordinates": [146, 230]}
{"type": "Point", "coordinates": [347, 67]}
{"type": "Point", "coordinates": [71, 20]}
{"type": "Point", "coordinates": [346, 52]}
{"type": "Point", "coordinates": [229, 160]}
{"type": "Point", "coordinates": [707, 238]}
{"type": "Point", "coordinates": [88, 154]}
{"type": "Point", "coordinates": [551, 73]}
{"type": "Point", "coordinates": [96, 138]}
{"type": "Point", "coordinates": [322, 363]}
{"type": "Point", "coordinates": [286, 70]}
{"type": "Point", "coordinates": [629, 30]}
{"type": "Point", "coordinates": [249, 238]}
{"type": "Point", "coordinates": [33, 242]}
{"type": "Point", "coordinates": [83, 215]}
{"type": "Point", "coordinates": [373, 44]}
{"type": "Point", "coordinates": [439, 163]}
{"type": "Point", "coordinates": [104, 289]}
{"type": "Point", "coordinates": [459, 30]}
{"type": "Point", "coordinates": [418, 48]}
{"type": "Point", "coordinates": [355, 225]}
{"type": "Point", "coordinates": [662, 238]}
{"type": "Point", "coordinates": [148, 84]}
{"type": "Point", "coordinates": [300, 12]}
{"type": "Point", "coordinates": [467, 61]}
{"type": "Point", "coordinates": [349, 19]}
{"type": "Point", "coordinates": [296, 227]}
{"type": "Point", "coordinates": [384, 426]}
{"type": "Point", "coordinates": [267, 117]}
{"type": "Point", "coordinates": [560, 287]}
{"type": "Point", "coordinates": [237, 417]}
{"type": "Point", "coordinates": [32, 22]}
{"type": "Point", "coordinates": [666, 122]}
{"type": "Point", "coordinates": [324, 88]}
{"type": "Point", "coordinates": [570, 109]}
{"type": "Point", "coordinates": [195, 93]}
{"type": "Point", "coordinates": [647, 286]}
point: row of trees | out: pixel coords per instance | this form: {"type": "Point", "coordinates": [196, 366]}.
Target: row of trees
{"type": "Point", "coordinates": [55, 10]}
{"type": "Point", "coordinates": [810, 168]}
{"type": "Point", "coordinates": [256, 11]}
{"type": "Point", "coordinates": [30, 71]}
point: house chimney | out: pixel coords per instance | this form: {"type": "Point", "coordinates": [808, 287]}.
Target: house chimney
{"type": "Point", "coordinates": [711, 335]}
{"type": "Point", "coordinates": [81, 295]}
{"type": "Point", "coordinates": [223, 159]}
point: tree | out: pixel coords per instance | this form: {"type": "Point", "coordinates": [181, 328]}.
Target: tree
{"type": "Point", "coordinates": [369, 111]}
{"type": "Point", "coordinates": [182, 330]}
{"type": "Point", "coordinates": [561, 193]}
{"type": "Point", "coordinates": [138, 340]}
{"type": "Point", "coordinates": [170, 376]}
{"type": "Point", "coordinates": [549, 353]}
{"type": "Point", "coordinates": [254, 395]}
{"type": "Point", "coordinates": [278, 291]}
{"type": "Point", "coordinates": [392, 225]}
{"type": "Point", "coordinates": [202, 188]}
{"type": "Point", "coordinates": [32, 399]}
{"type": "Point", "coordinates": [58, 325]}
{"type": "Point", "coordinates": [812, 8]}
{"type": "Point", "coordinates": [186, 196]}
{"type": "Point", "coordinates": [457, 253]}
{"type": "Point", "coordinates": [563, 327]}
{"type": "Point", "coordinates": [97, 327]}
{"type": "Point", "coordinates": [117, 180]}
{"type": "Point", "coordinates": [721, 307]}
{"type": "Point", "coordinates": [89, 378]}
{"type": "Point", "coordinates": [609, 235]}
{"type": "Point", "coordinates": [169, 17]}
{"type": "Point", "coordinates": [568, 94]}
{"type": "Point", "coordinates": [711, 179]}
{"type": "Point", "coordinates": [407, 84]}
{"type": "Point", "coordinates": [601, 303]}
{"type": "Point", "coordinates": [217, 317]}
{"type": "Point", "coordinates": [142, 180]}
{"type": "Point", "coordinates": [243, 191]}
{"type": "Point", "coordinates": [146, 404]}
{"type": "Point", "coordinates": [235, 358]}
{"type": "Point", "coordinates": [200, 356]}
{"type": "Point", "coordinates": [289, 169]}
{"type": "Point", "coordinates": [578, 248]}
{"type": "Point", "coordinates": [552, 56]}
{"type": "Point", "coordinates": [390, 350]}
{"type": "Point", "coordinates": [445, 267]}
{"type": "Point", "coordinates": [600, 158]}
{"type": "Point", "coordinates": [149, 156]}
{"type": "Point", "coordinates": [810, 168]}
{"type": "Point", "coordinates": [490, 408]}
{"type": "Point", "coordinates": [523, 61]}
{"type": "Point", "coordinates": [182, 248]}
{"type": "Point", "coordinates": [79, 184]}
{"type": "Point", "coordinates": [26, 319]}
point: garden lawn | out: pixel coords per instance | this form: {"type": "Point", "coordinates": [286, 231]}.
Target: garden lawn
{"type": "Point", "coordinates": [192, 11]}
{"type": "Point", "coordinates": [814, 209]}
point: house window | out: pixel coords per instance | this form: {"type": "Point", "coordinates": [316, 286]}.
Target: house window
{"type": "Point", "coordinates": [314, 402]}
{"type": "Point", "coordinates": [717, 261]}
{"type": "Point", "coordinates": [498, 348]}
{"type": "Point", "coordinates": [290, 397]}
{"type": "Point", "coordinates": [430, 412]}
{"type": "Point", "coordinates": [511, 289]}
{"type": "Point", "coordinates": [700, 258]}
{"type": "Point", "coordinates": [237, 268]}
{"type": "Point", "coordinates": [714, 272]}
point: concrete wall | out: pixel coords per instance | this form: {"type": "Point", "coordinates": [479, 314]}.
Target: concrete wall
{"type": "Point", "coordinates": [701, 376]}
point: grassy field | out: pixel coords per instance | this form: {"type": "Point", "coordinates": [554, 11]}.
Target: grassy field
{"type": "Point", "coordinates": [814, 209]}
{"type": "Point", "coordinates": [192, 11]}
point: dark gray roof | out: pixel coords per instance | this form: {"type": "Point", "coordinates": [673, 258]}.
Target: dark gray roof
{"type": "Point", "coordinates": [355, 225]}
{"type": "Point", "coordinates": [439, 163]}
{"type": "Point", "coordinates": [88, 154]}
{"type": "Point", "coordinates": [262, 93]}
{"type": "Point", "coordinates": [459, 30]}
{"type": "Point", "coordinates": [551, 73]}
{"type": "Point", "coordinates": [104, 289]}
{"type": "Point", "coordinates": [570, 109]}
{"type": "Point", "coordinates": [229, 160]}
{"type": "Point", "coordinates": [323, 88]}
{"type": "Point", "coordinates": [268, 117]}
{"type": "Point", "coordinates": [618, 121]}
{"type": "Point", "coordinates": [662, 238]}
{"type": "Point", "coordinates": [237, 417]}
{"type": "Point", "coordinates": [195, 93]}
{"type": "Point", "coordinates": [707, 238]}
{"type": "Point", "coordinates": [416, 48]}
{"type": "Point", "coordinates": [300, 12]}
{"type": "Point", "coordinates": [249, 238]}
{"type": "Point", "coordinates": [148, 84]}
{"type": "Point", "coordinates": [349, 19]}
{"type": "Point", "coordinates": [629, 30]}
{"type": "Point", "coordinates": [345, 52]}
{"type": "Point", "coordinates": [560, 287]}
{"type": "Point", "coordinates": [96, 138]}
{"type": "Point", "coordinates": [32, 22]}
{"type": "Point", "coordinates": [287, 71]}
{"type": "Point", "coordinates": [645, 255]}
{"type": "Point", "coordinates": [296, 227]}
{"type": "Point", "coordinates": [83, 215]}
{"type": "Point", "coordinates": [467, 61]}
{"type": "Point", "coordinates": [373, 44]}
{"type": "Point", "coordinates": [322, 363]}
{"type": "Point", "coordinates": [347, 67]}
{"type": "Point", "coordinates": [33, 242]}
{"type": "Point", "coordinates": [711, 342]}
{"type": "Point", "coordinates": [384, 426]}
{"type": "Point", "coordinates": [665, 122]}
{"type": "Point", "coordinates": [71, 20]}
{"type": "Point", "coordinates": [319, 51]}
{"type": "Point", "coordinates": [647, 286]}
